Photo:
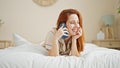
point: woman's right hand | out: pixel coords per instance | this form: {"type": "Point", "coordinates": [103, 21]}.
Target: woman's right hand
{"type": "Point", "coordinates": [60, 32]}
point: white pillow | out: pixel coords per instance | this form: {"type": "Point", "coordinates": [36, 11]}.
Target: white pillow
{"type": "Point", "coordinates": [18, 40]}
{"type": "Point", "coordinates": [24, 45]}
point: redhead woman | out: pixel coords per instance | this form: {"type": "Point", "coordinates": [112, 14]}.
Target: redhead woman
{"type": "Point", "coordinates": [68, 37]}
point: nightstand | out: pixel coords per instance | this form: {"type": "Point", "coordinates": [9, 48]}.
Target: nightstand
{"type": "Point", "coordinates": [115, 44]}
{"type": "Point", "coordinates": [5, 44]}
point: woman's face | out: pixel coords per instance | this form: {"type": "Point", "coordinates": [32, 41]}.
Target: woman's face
{"type": "Point", "coordinates": [73, 24]}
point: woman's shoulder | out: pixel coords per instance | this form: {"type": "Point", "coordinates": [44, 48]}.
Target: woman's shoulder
{"type": "Point", "coordinates": [52, 31]}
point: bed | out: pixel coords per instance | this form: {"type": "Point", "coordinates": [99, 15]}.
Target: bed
{"type": "Point", "coordinates": [28, 55]}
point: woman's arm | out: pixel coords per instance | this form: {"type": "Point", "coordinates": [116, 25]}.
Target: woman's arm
{"type": "Point", "coordinates": [54, 51]}
{"type": "Point", "coordinates": [74, 50]}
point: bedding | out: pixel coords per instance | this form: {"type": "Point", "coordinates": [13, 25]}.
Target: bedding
{"type": "Point", "coordinates": [19, 40]}
{"type": "Point", "coordinates": [35, 56]}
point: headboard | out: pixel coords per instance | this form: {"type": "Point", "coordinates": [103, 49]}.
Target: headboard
{"type": "Point", "coordinates": [5, 44]}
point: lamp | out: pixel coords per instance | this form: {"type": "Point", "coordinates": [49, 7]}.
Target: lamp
{"type": "Point", "coordinates": [108, 21]}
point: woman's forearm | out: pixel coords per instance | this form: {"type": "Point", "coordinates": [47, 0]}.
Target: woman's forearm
{"type": "Point", "coordinates": [54, 51]}
{"type": "Point", "coordinates": [74, 50]}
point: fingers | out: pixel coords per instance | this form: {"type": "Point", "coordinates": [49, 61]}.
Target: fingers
{"type": "Point", "coordinates": [80, 31]}
{"type": "Point", "coordinates": [78, 34]}
{"type": "Point", "coordinates": [62, 31]}
{"type": "Point", "coordinates": [65, 29]}
{"type": "Point", "coordinates": [65, 34]}
{"type": "Point", "coordinates": [61, 26]}
{"type": "Point", "coordinates": [69, 26]}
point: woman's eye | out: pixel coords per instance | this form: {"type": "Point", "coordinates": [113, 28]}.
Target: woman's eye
{"type": "Point", "coordinates": [71, 22]}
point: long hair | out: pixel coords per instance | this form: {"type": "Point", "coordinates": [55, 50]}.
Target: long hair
{"type": "Point", "coordinates": [63, 17]}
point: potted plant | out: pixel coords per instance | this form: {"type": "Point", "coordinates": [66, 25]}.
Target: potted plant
{"type": "Point", "coordinates": [118, 7]}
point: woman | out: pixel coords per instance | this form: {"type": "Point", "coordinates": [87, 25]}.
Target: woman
{"type": "Point", "coordinates": [72, 29]}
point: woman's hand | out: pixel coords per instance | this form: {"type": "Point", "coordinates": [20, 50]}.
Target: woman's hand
{"type": "Point", "coordinates": [60, 32]}
{"type": "Point", "coordinates": [78, 34]}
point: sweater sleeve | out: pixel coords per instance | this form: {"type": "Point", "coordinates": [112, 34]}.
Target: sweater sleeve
{"type": "Point", "coordinates": [49, 39]}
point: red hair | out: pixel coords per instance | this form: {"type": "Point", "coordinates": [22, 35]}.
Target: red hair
{"type": "Point", "coordinates": [63, 17]}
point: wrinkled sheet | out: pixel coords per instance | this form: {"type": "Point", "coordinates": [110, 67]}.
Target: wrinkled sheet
{"type": "Point", "coordinates": [35, 56]}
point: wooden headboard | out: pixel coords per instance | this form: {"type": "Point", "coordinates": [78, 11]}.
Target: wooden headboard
{"type": "Point", "coordinates": [5, 44]}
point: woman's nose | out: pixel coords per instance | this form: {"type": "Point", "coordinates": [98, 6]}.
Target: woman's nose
{"type": "Point", "coordinates": [77, 25]}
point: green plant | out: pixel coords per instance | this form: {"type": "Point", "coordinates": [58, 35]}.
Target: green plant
{"type": "Point", "coordinates": [119, 10]}
{"type": "Point", "coordinates": [119, 7]}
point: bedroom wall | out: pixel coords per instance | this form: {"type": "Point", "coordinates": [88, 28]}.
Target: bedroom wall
{"type": "Point", "coordinates": [33, 22]}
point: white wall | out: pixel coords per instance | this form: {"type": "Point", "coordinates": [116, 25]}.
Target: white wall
{"type": "Point", "coordinates": [33, 22]}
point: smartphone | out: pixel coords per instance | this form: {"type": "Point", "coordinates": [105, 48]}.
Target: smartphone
{"type": "Point", "coordinates": [64, 26]}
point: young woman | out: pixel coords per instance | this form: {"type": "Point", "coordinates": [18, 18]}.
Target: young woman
{"type": "Point", "coordinates": [72, 29]}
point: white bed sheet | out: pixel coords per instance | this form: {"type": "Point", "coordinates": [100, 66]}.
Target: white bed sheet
{"type": "Point", "coordinates": [34, 56]}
